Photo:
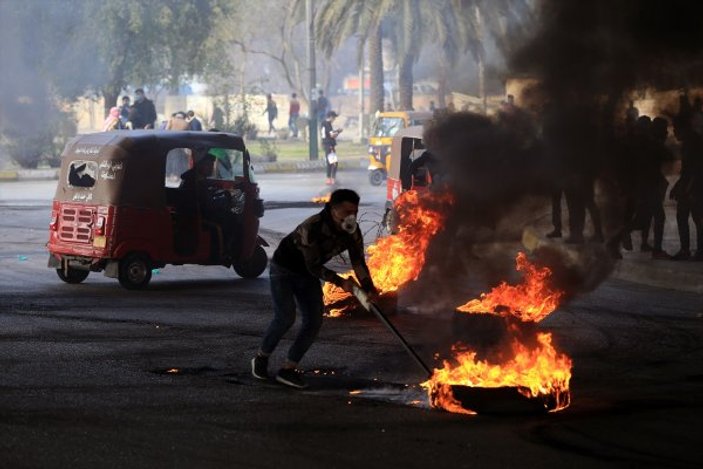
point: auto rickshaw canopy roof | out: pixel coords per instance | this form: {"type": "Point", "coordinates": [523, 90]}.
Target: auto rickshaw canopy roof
{"type": "Point", "coordinates": [129, 166]}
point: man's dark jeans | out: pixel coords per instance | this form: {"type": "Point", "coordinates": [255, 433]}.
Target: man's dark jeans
{"type": "Point", "coordinates": [287, 289]}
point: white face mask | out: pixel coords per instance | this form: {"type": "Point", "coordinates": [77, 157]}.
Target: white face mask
{"type": "Point", "coordinates": [349, 224]}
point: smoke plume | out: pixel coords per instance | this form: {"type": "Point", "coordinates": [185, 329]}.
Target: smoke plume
{"type": "Point", "coordinates": [590, 59]}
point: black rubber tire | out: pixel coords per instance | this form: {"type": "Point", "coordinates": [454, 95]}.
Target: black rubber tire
{"type": "Point", "coordinates": [135, 271]}
{"type": "Point", "coordinates": [72, 275]}
{"type": "Point", "coordinates": [376, 177]}
{"type": "Point", "coordinates": [254, 266]}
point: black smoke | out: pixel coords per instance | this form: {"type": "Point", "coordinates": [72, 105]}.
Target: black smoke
{"type": "Point", "coordinates": [590, 58]}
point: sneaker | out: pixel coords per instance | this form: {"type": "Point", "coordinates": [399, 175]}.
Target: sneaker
{"type": "Point", "coordinates": [554, 234]}
{"type": "Point", "coordinates": [659, 254]}
{"type": "Point", "coordinates": [291, 377]}
{"type": "Point", "coordinates": [681, 255]}
{"type": "Point", "coordinates": [259, 367]}
{"type": "Point", "coordinates": [328, 181]}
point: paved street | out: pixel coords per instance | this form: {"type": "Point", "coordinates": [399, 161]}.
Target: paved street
{"type": "Point", "coordinates": [92, 375]}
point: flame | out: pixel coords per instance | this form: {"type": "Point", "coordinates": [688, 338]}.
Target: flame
{"type": "Point", "coordinates": [321, 200]}
{"type": "Point", "coordinates": [334, 297]}
{"type": "Point", "coordinates": [532, 300]}
{"type": "Point", "coordinates": [398, 258]}
{"type": "Point", "coordinates": [537, 370]}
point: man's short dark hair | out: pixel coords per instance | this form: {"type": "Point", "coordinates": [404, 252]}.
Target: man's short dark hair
{"type": "Point", "coordinates": [125, 97]}
{"type": "Point", "coordinates": [344, 195]}
{"type": "Point", "coordinates": [191, 114]}
{"type": "Point", "coordinates": [139, 90]}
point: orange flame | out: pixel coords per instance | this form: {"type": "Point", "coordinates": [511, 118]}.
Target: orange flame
{"type": "Point", "coordinates": [398, 258]}
{"type": "Point", "coordinates": [333, 297]}
{"type": "Point", "coordinates": [535, 371]}
{"type": "Point", "coordinates": [532, 300]}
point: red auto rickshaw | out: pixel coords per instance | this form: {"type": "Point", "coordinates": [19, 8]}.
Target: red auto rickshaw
{"type": "Point", "coordinates": [122, 208]}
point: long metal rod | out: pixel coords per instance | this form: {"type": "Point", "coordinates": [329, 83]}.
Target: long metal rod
{"type": "Point", "coordinates": [366, 303]}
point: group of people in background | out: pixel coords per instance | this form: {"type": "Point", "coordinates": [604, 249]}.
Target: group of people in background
{"type": "Point", "coordinates": [325, 118]}
{"type": "Point", "coordinates": [142, 115]}
{"type": "Point", "coordinates": [642, 155]}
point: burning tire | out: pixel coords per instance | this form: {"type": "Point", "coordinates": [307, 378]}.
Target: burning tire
{"type": "Point", "coordinates": [254, 266]}
{"type": "Point", "coordinates": [135, 271]}
{"type": "Point", "coordinates": [71, 275]}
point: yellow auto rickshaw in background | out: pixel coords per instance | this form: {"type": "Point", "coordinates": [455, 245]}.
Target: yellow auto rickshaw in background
{"type": "Point", "coordinates": [386, 126]}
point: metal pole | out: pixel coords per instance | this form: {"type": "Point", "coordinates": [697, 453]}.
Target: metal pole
{"type": "Point", "coordinates": [312, 124]}
{"type": "Point", "coordinates": [362, 127]}
{"type": "Point", "coordinates": [366, 303]}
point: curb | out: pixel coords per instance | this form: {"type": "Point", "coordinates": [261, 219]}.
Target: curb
{"type": "Point", "coordinates": [303, 166]}
{"type": "Point", "coordinates": [8, 175]}
{"type": "Point", "coordinates": [674, 275]}
{"type": "Point", "coordinates": [260, 168]}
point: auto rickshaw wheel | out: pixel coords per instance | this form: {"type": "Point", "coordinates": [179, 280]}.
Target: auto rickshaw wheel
{"type": "Point", "coordinates": [254, 266]}
{"type": "Point", "coordinates": [71, 275]}
{"type": "Point", "coordinates": [376, 177]}
{"type": "Point", "coordinates": [135, 271]}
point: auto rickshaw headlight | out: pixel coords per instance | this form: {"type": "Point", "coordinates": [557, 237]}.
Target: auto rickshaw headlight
{"type": "Point", "coordinates": [53, 223]}
{"type": "Point", "coordinates": [372, 150]}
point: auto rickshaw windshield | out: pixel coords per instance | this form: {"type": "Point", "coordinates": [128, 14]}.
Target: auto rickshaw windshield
{"type": "Point", "coordinates": [387, 126]}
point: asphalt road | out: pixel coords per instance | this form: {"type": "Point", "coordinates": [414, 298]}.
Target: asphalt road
{"type": "Point", "coordinates": [92, 375]}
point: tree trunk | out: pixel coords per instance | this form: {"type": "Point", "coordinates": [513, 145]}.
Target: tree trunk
{"type": "Point", "coordinates": [376, 71]}
{"type": "Point", "coordinates": [110, 94]}
{"type": "Point", "coordinates": [405, 82]}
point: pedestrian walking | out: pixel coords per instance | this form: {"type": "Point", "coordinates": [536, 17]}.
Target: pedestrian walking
{"type": "Point", "coordinates": [272, 111]}
{"type": "Point", "coordinates": [295, 272]}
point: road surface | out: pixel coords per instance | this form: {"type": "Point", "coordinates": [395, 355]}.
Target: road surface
{"type": "Point", "coordinates": [92, 375]}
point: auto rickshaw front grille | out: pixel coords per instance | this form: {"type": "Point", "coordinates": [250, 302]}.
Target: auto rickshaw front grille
{"type": "Point", "coordinates": [76, 224]}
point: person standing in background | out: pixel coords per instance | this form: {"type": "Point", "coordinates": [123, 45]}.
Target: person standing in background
{"type": "Point", "coordinates": [124, 110]}
{"type": "Point", "coordinates": [322, 107]}
{"type": "Point", "coordinates": [146, 111]}
{"type": "Point", "coordinates": [193, 122]}
{"type": "Point", "coordinates": [329, 142]}
{"type": "Point", "coordinates": [293, 114]}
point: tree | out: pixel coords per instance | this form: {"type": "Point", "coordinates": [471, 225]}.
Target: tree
{"type": "Point", "coordinates": [408, 23]}
{"type": "Point", "coordinates": [339, 20]}
{"type": "Point", "coordinates": [507, 21]}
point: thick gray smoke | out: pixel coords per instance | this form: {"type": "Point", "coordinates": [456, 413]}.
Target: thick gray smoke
{"type": "Point", "coordinates": [589, 57]}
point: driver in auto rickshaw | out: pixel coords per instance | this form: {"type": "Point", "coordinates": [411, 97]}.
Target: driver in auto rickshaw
{"type": "Point", "coordinates": [214, 204]}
